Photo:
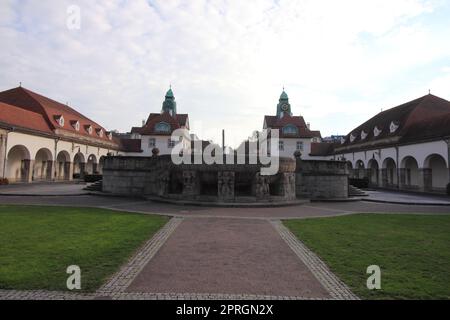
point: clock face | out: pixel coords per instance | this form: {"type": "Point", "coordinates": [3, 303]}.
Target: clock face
{"type": "Point", "coordinates": [285, 107]}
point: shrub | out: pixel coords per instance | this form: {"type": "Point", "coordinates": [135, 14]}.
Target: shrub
{"type": "Point", "coordinates": [4, 181]}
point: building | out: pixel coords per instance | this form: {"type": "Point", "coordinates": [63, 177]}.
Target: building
{"type": "Point", "coordinates": [295, 134]}
{"type": "Point", "coordinates": [156, 132]}
{"type": "Point", "coordinates": [42, 139]}
{"type": "Point", "coordinates": [406, 147]}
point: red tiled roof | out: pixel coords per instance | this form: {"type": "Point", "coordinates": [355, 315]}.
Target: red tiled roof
{"type": "Point", "coordinates": [130, 145]}
{"type": "Point", "coordinates": [15, 116]}
{"type": "Point", "coordinates": [51, 111]}
{"type": "Point", "coordinates": [176, 122]}
{"type": "Point", "coordinates": [322, 149]}
{"type": "Point", "coordinates": [278, 123]}
{"type": "Point", "coordinates": [423, 118]}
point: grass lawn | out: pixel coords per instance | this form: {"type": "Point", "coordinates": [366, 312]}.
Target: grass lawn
{"type": "Point", "coordinates": [37, 244]}
{"type": "Point", "coordinates": [413, 252]}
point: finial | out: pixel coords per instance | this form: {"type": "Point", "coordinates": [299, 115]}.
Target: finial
{"type": "Point", "coordinates": [170, 86]}
{"type": "Point", "coordinates": [429, 91]}
{"type": "Point", "coordinates": [20, 84]}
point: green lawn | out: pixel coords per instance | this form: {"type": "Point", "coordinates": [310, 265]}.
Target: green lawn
{"type": "Point", "coordinates": [413, 252]}
{"type": "Point", "coordinates": [37, 244]}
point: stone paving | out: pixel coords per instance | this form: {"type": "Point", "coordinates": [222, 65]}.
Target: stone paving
{"type": "Point", "coordinates": [218, 253]}
{"type": "Point", "coordinates": [408, 198]}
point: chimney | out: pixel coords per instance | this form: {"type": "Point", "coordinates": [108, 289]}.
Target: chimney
{"type": "Point", "coordinates": [308, 125]}
{"type": "Point", "coordinates": [143, 122]}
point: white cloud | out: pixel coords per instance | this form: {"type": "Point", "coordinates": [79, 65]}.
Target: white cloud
{"type": "Point", "coordinates": [227, 60]}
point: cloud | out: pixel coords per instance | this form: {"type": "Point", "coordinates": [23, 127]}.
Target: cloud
{"type": "Point", "coordinates": [227, 60]}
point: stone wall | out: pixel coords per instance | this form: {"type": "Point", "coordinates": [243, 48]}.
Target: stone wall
{"type": "Point", "coordinates": [321, 179]}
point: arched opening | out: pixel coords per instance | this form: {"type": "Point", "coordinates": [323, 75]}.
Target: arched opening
{"type": "Point", "coordinates": [439, 174]}
{"type": "Point", "coordinates": [101, 162]}
{"type": "Point", "coordinates": [43, 165]}
{"type": "Point", "coordinates": [91, 165]}
{"type": "Point", "coordinates": [373, 172]}
{"type": "Point", "coordinates": [360, 169]}
{"type": "Point", "coordinates": [63, 166]}
{"type": "Point", "coordinates": [18, 164]}
{"type": "Point", "coordinates": [79, 164]}
{"type": "Point", "coordinates": [410, 173]}
{"type": "Point", "coordinates": [389, 173]}
{"type": "Point", "coordinates": [350, 169]}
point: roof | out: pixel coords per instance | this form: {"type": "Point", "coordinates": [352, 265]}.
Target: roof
{"type": "Point", "coordinates": [51, 111]}
{"type": "Point", "coordinates": [413, 121]}
{"type": "Point", "coordinates": [176, 121]}
{"type": "Point", "coordinates": [18, 117]}
{"type": "Point", "coordinates": [322, 149]}
{"type": "Point", "coordinates": [284, 96]}
{"type": "Point", "coordinates": [274, 122]}
{"type": "Point", "coordinates": [130, 145]}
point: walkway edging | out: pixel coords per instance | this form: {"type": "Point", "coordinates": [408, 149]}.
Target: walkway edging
{"type": "Point", "coordinates": [337, 289]}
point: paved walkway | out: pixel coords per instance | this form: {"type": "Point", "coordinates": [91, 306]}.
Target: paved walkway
{"type": "Point", "coordinates": [44, 189]}
{"type": "Point", "coordinates": [407, 198]}
{"type": "Point", "coordinates": [218, 253]}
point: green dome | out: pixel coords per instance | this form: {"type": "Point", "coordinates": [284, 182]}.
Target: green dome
{"type": "Point", "coordinates": [284, 96]}
{"type": "Point", "coordinates": [169, 93]}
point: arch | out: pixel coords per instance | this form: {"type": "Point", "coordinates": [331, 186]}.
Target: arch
{"type": "Point", "coordinates": [79, 164]}
{"type": "Point", "coordinates": [91, 164]}
{"type": "Point", "coordinates": [410, 172]}
{"type": "Point", "coordinates": [389, 172]}
{"type": "Point", "coordinates": [438, 172]}
{"type": "Point", "coordinates": [101, 162]}
{"type": "Point", "coordinates": [373, 172]}
{"type": "Point", "coordinates": [43, 165]}
{"type": "Point", "coordinates": [18, 164]}
{"type": "Point", "coordinates": [62, 166]}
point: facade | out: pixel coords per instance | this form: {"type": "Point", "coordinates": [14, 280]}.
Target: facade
{"type": "Point", "coordinates": [42, 139]}
{"type": "Point", "coordinates": [156, 132]}
{"type": "Point", "coordinates": [406, 147]}
{"type": "Point", "coordinates": [295, 134]}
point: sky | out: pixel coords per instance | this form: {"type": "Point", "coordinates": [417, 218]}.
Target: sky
{"type": "Point", "coordinates": [341, 62]}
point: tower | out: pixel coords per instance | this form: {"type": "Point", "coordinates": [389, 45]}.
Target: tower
{"type": "Point", "coordinates": [169, 104]}
{"type": "Point", "coordinates": [283, 106]}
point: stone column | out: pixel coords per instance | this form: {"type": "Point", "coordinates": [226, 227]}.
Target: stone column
{"type": "Point", "coordinates": [262, 189]}
{"type": "Point", "coordinates": [2, 154]}
{"type": "Point", "coordinates": [288, 186]}
{"type": "Point", "coordinates": [402, 174]}
{"type": "Point", "coordinates": [82, 169]}
{"type": "Point", "coordinates": [68, 171]}
{"type": "Point", "coordinates": [384, 177]}
{"type": "Point", "coordinates": [190, 183]}
{"type": "Point", "coordinates": [27, 170]}
{"type": "Point", "coordinates": [225, 185]}
{"type": "Point", "coordinates": [426, 176]}
{"type": "Point", "coordinates": [49, 170]}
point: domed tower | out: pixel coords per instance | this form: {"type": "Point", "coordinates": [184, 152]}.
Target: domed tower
{"type": "Point", "coordinates": [283, 106]}
{"type": "Point", "coordinates": [169, 104]}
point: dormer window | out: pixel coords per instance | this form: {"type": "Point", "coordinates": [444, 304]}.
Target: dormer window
{"type": "Point", "coordinates": [352, 138]}
{"type": "Point", "coordinates": [363, 135]}
{"type": "Point", "coordinates": [60, 120]}
{"type": "Point", "coordinates": [99, 132]}
{"type": "Point", "coordinates": [88, 128]}
{"type": "Point", "coordinates": [75, 124]}
{"type": "Point", "coordinates": [393, 127]}
{"type": "Point", "coordinates": [162, 127]}
{"type": "Point", "coordinates": [376, 131]}
{"type": "Point", "coordinates": [290, 130]}
{"type": "Point", "coordinates": [342, 140]}
{"type": "Point", "coordinates": [109, 135]}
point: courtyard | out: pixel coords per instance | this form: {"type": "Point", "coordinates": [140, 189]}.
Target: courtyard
{"type": "Point", "coordinates": [137, 249]}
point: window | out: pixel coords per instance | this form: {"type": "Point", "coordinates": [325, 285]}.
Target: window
{"type": "Point", "coordinates": [61, 121]}
{"type": "Point", "coordinates": [151, 143]}
{"type": "Point", "coordinates": [281, 145]}
{"type": "Point", "coordinates": [300, 145]}
{"type": "Point", "coordinates": [162, 127]}
{"type": "Point", "coordinates": [170, 143]}
{"type": "Point", "coordinates": [290, 129]}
